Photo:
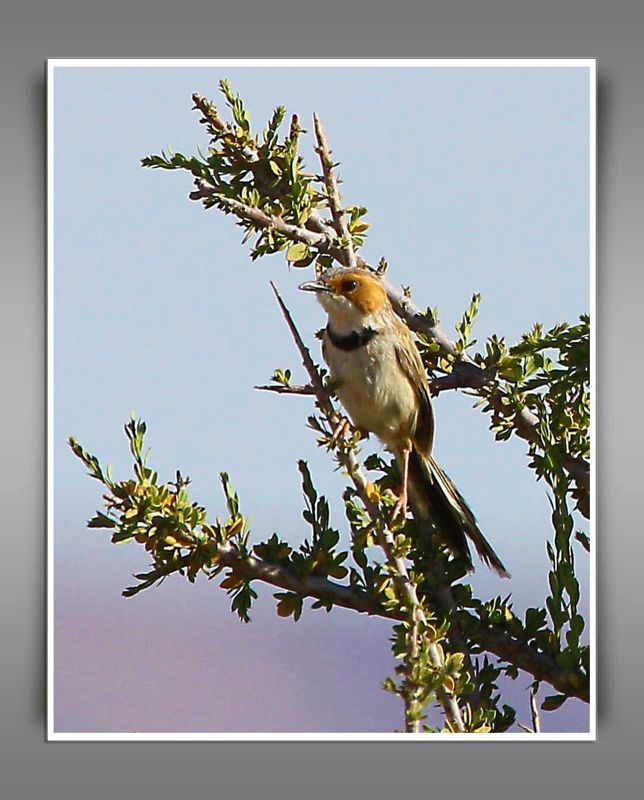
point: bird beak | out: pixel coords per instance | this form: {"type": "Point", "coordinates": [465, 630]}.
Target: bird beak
{"type": "Point", "coordinates": [314, 286]}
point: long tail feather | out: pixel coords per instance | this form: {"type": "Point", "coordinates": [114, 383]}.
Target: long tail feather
{"type": "Point", "coordinates": [434, 497]}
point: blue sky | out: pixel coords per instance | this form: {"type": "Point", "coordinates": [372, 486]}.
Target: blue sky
{"type": "Point", "coordinates": [476, 179]}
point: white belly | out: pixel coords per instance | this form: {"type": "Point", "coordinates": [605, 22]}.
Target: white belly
{"type": "Point", "coordinates": [373, 389]}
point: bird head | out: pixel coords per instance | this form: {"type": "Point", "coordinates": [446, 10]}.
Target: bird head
{"type": "Point", "coordinates": [349, 294]}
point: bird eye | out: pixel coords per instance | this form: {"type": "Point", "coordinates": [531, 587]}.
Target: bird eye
{"type": "Point", "coordinates": [349, 286]}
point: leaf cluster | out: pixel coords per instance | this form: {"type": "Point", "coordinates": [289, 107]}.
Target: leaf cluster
{"type": "Point", "coordinates": [262, 172]}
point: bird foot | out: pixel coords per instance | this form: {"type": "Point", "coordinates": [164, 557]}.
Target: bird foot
{"type": "Point", "coordinates": [400, 507]}
{"type": "Point", "coordinates": [341, 430]}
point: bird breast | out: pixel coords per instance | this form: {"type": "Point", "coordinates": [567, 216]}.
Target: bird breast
{"type": "Point", "coordinates": [373, 389]}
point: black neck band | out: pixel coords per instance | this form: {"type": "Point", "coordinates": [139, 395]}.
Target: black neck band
{"type": "Point", "coordinates": [351, 341]}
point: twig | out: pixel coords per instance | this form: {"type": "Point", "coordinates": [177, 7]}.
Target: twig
{"type": "Point", "coordinates": [264, 220]}
{"type": "Point", "coordinates": [209, 112]}
{"type": "Point", "coordinates": [445, 601]}
{"type": "Point", "coordinates": [464, 375]}
{"type": "Point", "coordinates": [406, 589]}
{"type": "Point", "coordinates": [534, 710]}
{"type": "Point", "coordinates": [211, 116]}
{"type": "Point", "coordinates": [279, 388]}
{"type": "Point", "coordinates": [314, 235]}
{"type": "Point", "coordinates": [294, 133]}
{"type": "Point", "coordinates": [412, 720]}
{"type": "Point", "coordinates": [418, 321]}
{"type": "Point", "coordinates": [333, 194]}
{"type": "Point", "coordinates": [314, 586]}
{"type": "Point", "coordinates": [316, 381]}
{"type": "Point", "coordinates": [315, 221]}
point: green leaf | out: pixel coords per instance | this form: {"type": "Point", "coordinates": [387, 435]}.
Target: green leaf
{"type": "Point", "coordinates": [553, 702]}
{"type": "Point", "coordinates": [289, 604]}
{"type": "Point", "coordinates": [581, 537]}
{"type": "Point", "coordinates": [577, 625]}
{"type": "Point", "coordinates": [535, 619]}
{"type": "Point", "coordinates": [101, 521]}
{"type": "Point", "coordinates": [297, 252]}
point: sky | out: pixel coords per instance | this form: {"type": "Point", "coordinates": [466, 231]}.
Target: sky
{"type": "Point", "coordinates": [476, 180]}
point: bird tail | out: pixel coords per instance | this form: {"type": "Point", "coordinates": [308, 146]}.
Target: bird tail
{"type": "Point", "coordinates": [434, 497]}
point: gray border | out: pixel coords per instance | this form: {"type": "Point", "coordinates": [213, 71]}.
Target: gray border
{"type": "Point", "coordinates": [35, 31]}
{"type": "Point", "coordinates": [54, 65]}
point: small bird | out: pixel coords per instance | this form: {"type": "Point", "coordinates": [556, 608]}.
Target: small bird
{"type": "Point", "coordinates": [381, 383]}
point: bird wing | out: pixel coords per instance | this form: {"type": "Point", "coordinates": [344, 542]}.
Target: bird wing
{"type": "Point", "coordinates": [411, 364]}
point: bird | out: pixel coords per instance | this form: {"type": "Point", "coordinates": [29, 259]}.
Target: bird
{"type": "Point", "coordinates": [380, 380]}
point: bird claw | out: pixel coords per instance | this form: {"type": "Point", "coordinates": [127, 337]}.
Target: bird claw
{"type": "Point", "coordinates": [401, 506]}
{"type": "Point", "coordinates": [341, 430]}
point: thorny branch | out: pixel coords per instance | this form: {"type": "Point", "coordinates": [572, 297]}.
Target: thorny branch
{"type": "Point", "coordinates": [306, 389]}
{"type": "Point", "coordinates": [541, 666]}
{"type": "Point", "coordinates": [315, 222]}
{"type": "Point", "coordinates": [405, 588]}
{"type": "Point", "coordinates": [333, 194]}
{"type": "Point", "coordinates": [534, 712]}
